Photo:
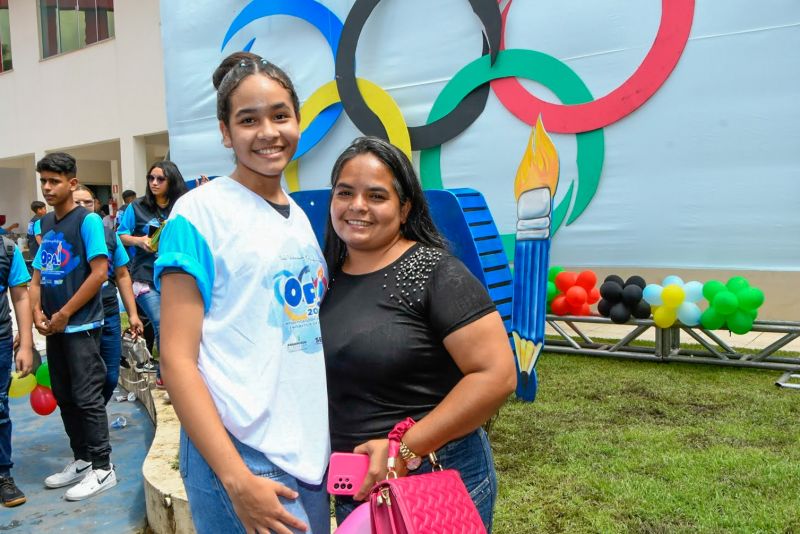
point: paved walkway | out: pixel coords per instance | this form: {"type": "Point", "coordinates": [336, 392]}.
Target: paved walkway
{"type": "Point", "coordinates": [40, 448]}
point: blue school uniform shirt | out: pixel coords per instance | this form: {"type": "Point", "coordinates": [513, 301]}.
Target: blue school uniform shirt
{"type": "Point", "coordinates": [117, 257]}
{"type": "Point", "coordinates": [68, 245]}
{"type": "Point", "coordinates": [34, 229]}
{"type": "Point", "coordinates": [13, 273]}
{"type": "Point", "coordinates": [140, 220]}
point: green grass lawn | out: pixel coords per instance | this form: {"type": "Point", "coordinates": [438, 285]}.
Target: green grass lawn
{"type": "Point", "coordinates": [621, 446]}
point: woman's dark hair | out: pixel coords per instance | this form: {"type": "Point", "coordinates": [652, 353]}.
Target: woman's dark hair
{"type": "Point", "coordinates": [238, 66]}
{"type": "Point", "coordinates": [176, 186]}
{"type": "Point", "coordinates": [419, 225]}
{"type": "Point", "coordinates": [59, 163]}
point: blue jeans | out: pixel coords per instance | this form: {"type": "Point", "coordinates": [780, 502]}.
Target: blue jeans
{"type": "Point", "coordinates": [150, 303]}
{"type": "Point", "coordinates": [471, 456]}
{"type": "Point", "coordinates": [212, 510]}
{"type": "Point", "coordinates": [111, 351]}
{"type": "Point", "coordinates": [6, 356]}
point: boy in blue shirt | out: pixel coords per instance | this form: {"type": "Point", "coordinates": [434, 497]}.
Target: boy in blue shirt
{"type": "Point", "coordinates": [13, 279]}
{"type": "Point", "coordinates": [69, 271]}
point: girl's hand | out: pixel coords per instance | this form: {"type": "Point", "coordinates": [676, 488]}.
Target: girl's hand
{"type": "Point", "coordinates": [378, 450]}
{"type": "Point", "coordinates": [255, 500]}
{"type": "Point", "coordinates": [144, 243]}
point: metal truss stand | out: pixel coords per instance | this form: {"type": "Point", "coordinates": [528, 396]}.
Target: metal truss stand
{"type": "Point", "coordinates": [713, 350]}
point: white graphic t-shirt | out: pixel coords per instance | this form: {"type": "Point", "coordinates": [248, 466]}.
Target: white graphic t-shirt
{"type": "Point", "coordinates": [262, 278]}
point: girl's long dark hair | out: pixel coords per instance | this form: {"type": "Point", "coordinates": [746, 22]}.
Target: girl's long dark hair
{"type": "Point", "coordinates": [176, 186]}
{"type": "Point", "coordinates": [419, 225]}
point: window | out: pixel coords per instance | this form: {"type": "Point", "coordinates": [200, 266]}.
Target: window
{"type": "Point", "coordinates": [72, 24]}
{"type": "Point", "coordinates": [5, 37]}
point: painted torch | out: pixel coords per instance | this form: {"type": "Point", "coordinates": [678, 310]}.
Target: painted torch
{"type": "Point", "coordinates": [534, 187]}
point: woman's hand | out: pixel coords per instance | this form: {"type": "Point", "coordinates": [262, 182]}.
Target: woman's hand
{"type": "Point", "coordinates": [144, 243]}
{"type": "Point", "coordinates": [255, 500]}
{"type": "Point", "coordinates": [378, 451]}
{"type": "Point", "coordinates": [135, 325]}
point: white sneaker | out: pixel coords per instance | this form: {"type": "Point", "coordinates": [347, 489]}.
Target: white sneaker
{"type": "Point", "coordinates": [94, 482]}
{"type": "Point", "coordinates": [74, 471]}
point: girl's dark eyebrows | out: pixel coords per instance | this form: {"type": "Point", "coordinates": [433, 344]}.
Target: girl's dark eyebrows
{"type": "Point", "coordinates": [255, 109]}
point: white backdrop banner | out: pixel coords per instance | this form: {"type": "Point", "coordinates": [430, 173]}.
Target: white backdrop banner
{"type": "Point", "coordinates": [706, 173]}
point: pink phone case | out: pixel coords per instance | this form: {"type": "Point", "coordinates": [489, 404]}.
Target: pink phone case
{"type": "Point", "coordinates": [347, 472]}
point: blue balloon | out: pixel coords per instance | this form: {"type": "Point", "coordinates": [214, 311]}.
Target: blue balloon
{"type": "Point", "coordinates": [652, 294]}
{"type": "Point", "coordinates": [672, 279]}
{"type": "Point", "coordinates": [694, 291]}
{"type": "Point", "coordinates": [689, 314]}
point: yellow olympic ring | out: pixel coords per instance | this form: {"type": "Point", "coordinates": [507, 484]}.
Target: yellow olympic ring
{"type": "Point", "coordinates": [379, 101]}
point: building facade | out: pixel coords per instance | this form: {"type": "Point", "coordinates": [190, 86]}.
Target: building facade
{"type": "Point", "coordinates": [84, 77]}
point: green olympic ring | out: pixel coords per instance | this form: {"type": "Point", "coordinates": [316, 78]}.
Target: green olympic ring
{"type": "Point", "coordinates": [554, 75]}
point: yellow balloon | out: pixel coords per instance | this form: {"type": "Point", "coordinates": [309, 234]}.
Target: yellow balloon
{"type": "Point", "coordinates": [664, 317]}
{"type": "Point", "coordinates": [673, 296]}
{"type": "Point", "coordinates": [21, 386]}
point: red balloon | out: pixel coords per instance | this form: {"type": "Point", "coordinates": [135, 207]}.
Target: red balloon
{"type": "Point", "coordinates": [574, 309]}
{"type": "Point", "coordinates": [576, 296]}
{"type": "Point", "coordinates": [42, 400]}
{"type": "Point", "coordinates": [586, 310]}
{"type": "Point", "coordinates": [565, 280]}
{"type": "Point", "coordinates": [594, 296]}
{"type": "Point", "coordinates": [560, 306]}
{"type": "Point", "coordinates": [587, 280]}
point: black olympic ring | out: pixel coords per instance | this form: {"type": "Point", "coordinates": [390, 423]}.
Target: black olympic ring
{"type": "Point", "coordinates": [429, 135]}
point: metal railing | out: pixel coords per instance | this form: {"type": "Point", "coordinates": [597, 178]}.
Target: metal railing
{"type": "Point", "coordinates": [668, 347]}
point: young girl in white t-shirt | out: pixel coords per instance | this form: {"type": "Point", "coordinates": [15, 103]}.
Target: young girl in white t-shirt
{"type": "Point", "coordinates": [241, 348]}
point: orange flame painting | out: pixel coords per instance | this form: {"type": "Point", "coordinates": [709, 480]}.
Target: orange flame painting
{"type": "Point", "coordinates": [539, 165]}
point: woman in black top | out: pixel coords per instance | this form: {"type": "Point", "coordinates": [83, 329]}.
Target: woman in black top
{"type": "Point", "coordinates": [142, 219]}
{"type": "Point", "coordinates": [407, 330]}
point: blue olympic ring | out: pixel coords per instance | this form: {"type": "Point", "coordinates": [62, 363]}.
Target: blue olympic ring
{"type": "Point", "coordinates": [321, 18]}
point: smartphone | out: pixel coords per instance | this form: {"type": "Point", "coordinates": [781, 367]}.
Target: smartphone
{"type": "Point", "coordinates": [347, 472]}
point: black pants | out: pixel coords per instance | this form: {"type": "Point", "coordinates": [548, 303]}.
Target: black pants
{"type": "Point", "coordinates": [77, 375]}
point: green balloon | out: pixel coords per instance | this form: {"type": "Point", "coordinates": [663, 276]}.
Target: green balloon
{"type": "Point", "coordinates": [737, 283]}
{"type": "Point", "coordinates": [750, 298]}
{"type": "Point", "coordinates": [43, 375]}
{"type": "Point", "coordinates": [553, 272]}
{"type": "Point", "coordinates": [552, 291]}
{"type": "Point", "coordinates": [750, 313]}
{"type": "Point", "coordinates": [725, 302]}
{"type": "Point", "coordinates": [712, 320]}
{"type": "Point", "coordinates": [711, 288]}
{"type": "Point", "coordinates": [740, 322]}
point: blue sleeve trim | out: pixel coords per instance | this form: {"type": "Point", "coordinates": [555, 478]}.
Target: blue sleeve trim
{"type": "Point", "coordinates": [19, 272]}
{"type": "Point", "coordinates": [120, 256]}
{"type": "Point", "coordinates": [37, 260]}
{"type": "Point", "coordinates": [182, 246]}
{"type": "Point", "coordinates": [127, 222]}
{"type": "Point", "coordinates": [94, 237]}
{"type": "Point", "coordinates": [37, 227]}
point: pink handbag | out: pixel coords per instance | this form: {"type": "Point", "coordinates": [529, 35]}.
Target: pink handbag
{"type": "Point", "coordinates": [433, 503]}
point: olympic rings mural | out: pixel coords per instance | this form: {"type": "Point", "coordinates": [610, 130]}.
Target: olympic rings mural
{"type": "Point", "coordinates": [374, 112]}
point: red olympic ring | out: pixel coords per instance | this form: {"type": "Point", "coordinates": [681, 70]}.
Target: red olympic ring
{"type": "Point", "coordinates": [673, 33]}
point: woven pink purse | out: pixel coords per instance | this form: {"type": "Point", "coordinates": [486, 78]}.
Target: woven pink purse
{"type": "Point", "coordinates": [433, 503]}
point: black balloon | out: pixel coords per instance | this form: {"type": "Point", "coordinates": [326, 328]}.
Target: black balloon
{"type": "Point", "coordinates": [636, 280]}
{"type": "Point", "coordinates": [641, 310]}
{"type": "Point", "coordinates": [615, 278]}
{"type": "Point", "coordinates": [619, 313]}
{"type": "Point", "coordinates": [631, 295]}
{"type": "Point", "coordinates": [611, 291]}
{"type": "Point", "coordinates": [604, 307]}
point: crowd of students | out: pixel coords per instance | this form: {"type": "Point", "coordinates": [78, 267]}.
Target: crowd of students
{"type": "Point", "coordinates": [271, 351]}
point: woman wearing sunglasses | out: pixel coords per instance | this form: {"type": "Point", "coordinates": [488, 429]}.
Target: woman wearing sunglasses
{"type": "Point", "coordinates": [142, 219]}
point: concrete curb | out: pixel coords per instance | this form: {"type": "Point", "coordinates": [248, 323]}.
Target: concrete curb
{"type": "Point", "coordinates": [166, 503]}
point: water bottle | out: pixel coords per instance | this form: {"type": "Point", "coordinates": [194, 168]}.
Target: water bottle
{"type": "Point", "coordinates": [119, 422]}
